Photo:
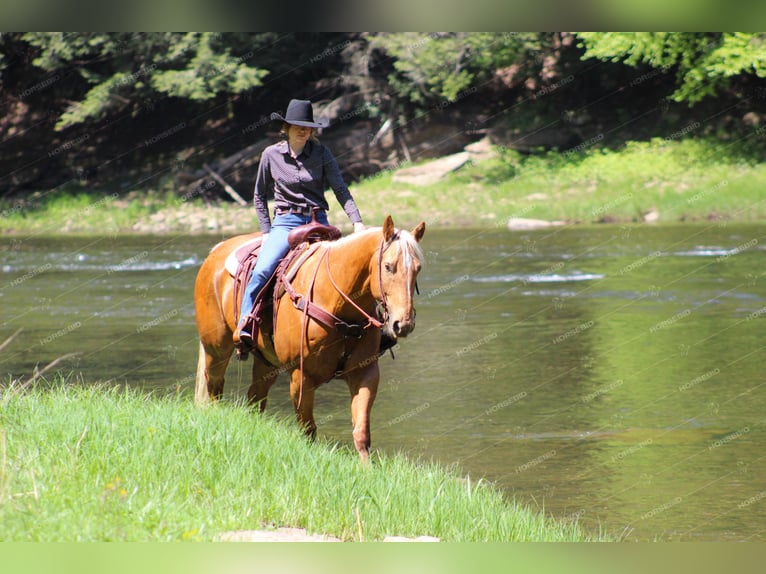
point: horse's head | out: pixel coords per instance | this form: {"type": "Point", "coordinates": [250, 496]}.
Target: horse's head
{"type": "Point", "coordinates": [400, 261]}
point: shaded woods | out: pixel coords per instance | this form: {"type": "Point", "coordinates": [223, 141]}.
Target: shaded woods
{"type": "Point", "coordinates": [124, 112]}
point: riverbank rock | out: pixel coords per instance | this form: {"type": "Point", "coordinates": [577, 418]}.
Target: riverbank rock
{"type": "Point", "coordinates": [515, 223]}
{"type": "Point", "coordinates": [433, 171]}
{"type": "Point", "coordinates": [300, 535]}
{"type": "Point", "coordinates": [405, 539]}
{"type": "Point", "coordinates": [276, 535]}
{"type": "Point", "coordinates": [481, 150]}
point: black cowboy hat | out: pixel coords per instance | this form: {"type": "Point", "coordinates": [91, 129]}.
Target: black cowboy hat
{"type": "Point", "coordinates": [300, 113]}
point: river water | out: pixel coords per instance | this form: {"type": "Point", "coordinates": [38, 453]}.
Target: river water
{"type": "Point", "coordinates": [613, 374]}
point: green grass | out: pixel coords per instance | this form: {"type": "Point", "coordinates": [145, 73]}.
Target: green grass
{"type": "Point", "coordinates": [91, 463]}
{"type": "Point", "coordinates": [683, 180]}
{"type": "Point", "coordinates": [76, 210]}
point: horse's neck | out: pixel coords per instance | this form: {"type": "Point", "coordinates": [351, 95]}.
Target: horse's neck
{"type": "Point", "coordinates": [352, 262]}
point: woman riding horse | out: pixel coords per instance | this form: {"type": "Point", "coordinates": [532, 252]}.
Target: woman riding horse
{"type": "Point", "coordinates": [296, 171]}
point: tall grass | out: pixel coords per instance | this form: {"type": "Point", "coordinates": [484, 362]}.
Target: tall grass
{"type": "Point", "coordinates": [90, 463]}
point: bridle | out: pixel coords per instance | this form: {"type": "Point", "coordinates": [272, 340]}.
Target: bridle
{"type": "Point", "coordinates": [381, 308]}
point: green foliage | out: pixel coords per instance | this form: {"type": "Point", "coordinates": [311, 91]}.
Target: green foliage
{"type": "Point", "coordinates": [444, 65]}
{"type": "Point", "coordinates": [208, 74]}
{"type": "Point", "coordinates": [704, 63]}
{"type": "Point", "coordinates": [125, 70]}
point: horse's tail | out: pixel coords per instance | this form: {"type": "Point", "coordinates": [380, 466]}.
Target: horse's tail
{"type": "Point", "coordinates": [201, 396]}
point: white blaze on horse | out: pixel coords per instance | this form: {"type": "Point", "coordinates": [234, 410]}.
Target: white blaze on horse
{"type": "Point", "coordinates": [327, 324]}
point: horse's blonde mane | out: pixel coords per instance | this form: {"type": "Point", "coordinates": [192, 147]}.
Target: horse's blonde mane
{"type": "Point", "coordinates": [407, 243]}
{"type": "Point", "coordinates": [354, 236]}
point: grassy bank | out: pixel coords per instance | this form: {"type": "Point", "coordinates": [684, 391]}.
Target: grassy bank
{"type": "Point", "coordinates": [678, 180]}
{"type": "Point", "coordinates": [687, 180]}
{"type": "Point", "coordinates": [90, 463]}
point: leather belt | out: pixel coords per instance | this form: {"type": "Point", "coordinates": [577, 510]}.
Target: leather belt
{"type": "Point", "coordinates": [297, 210]}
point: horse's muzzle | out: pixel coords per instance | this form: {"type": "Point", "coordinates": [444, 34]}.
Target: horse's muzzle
{"type": "Point", "coordinates": [402, 328]}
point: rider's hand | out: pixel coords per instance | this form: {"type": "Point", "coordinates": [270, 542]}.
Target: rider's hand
{"type": "Point", "coordinates": [359, 226]}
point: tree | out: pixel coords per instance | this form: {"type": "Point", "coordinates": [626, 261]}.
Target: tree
{"type": "Point", "coordinates": [125, 69]}
{"type": "Point", "coordinates": [704, 63]}
{"type": "Point", "coordinates": [442, 66]}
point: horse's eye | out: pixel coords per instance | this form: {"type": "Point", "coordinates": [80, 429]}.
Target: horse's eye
{"type": "Point", "coordinates": [389, 268]}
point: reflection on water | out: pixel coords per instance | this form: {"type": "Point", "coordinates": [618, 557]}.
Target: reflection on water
{"type": "Point", "coordinates": [609, 374]}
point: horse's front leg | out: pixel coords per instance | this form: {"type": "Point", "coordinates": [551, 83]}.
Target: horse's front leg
{"type": "Point", "coordinates": [303, 402]}
{"type": "Point", "coordinates": [363, 385]}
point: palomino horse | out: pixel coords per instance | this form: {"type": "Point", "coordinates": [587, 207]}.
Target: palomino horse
{"type": "Point", "coordinates": [366, 280]}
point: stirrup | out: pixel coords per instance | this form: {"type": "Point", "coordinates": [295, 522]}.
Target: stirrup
{"type": "Point", "coordinates": [242, 353]}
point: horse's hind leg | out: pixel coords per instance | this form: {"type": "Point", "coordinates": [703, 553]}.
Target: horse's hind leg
{"type": "Point", "coordinates": [211, 369]}
{"type": "Point", "coordinates": [264, 376]}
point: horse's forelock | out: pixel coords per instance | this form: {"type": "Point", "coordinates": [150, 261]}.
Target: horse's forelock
{"type": "Point", "coordinates": [410, 247]}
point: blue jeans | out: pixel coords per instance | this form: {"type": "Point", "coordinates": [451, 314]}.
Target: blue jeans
{"type": "Point", "coordinates": [271, 254]}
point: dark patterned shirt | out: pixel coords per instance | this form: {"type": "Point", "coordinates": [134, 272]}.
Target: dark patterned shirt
{"type": "Point", "coordinates": [300, 182]}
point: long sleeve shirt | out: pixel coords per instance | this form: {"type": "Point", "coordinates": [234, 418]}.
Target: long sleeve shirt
{"type": "Point", "coordinates": [300, 182]}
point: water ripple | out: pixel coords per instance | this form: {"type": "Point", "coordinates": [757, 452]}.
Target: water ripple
{"type": "Point", "coordinates": [539, 278]}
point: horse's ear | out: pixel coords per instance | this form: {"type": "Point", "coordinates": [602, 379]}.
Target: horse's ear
{"type": "Point", "coordinates": [388, 228]}
{"type": "Point", "coordinates": [419, 231]}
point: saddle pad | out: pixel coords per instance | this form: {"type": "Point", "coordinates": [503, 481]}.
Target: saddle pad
{"type": "Point", "coordinates": [240, 253]}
